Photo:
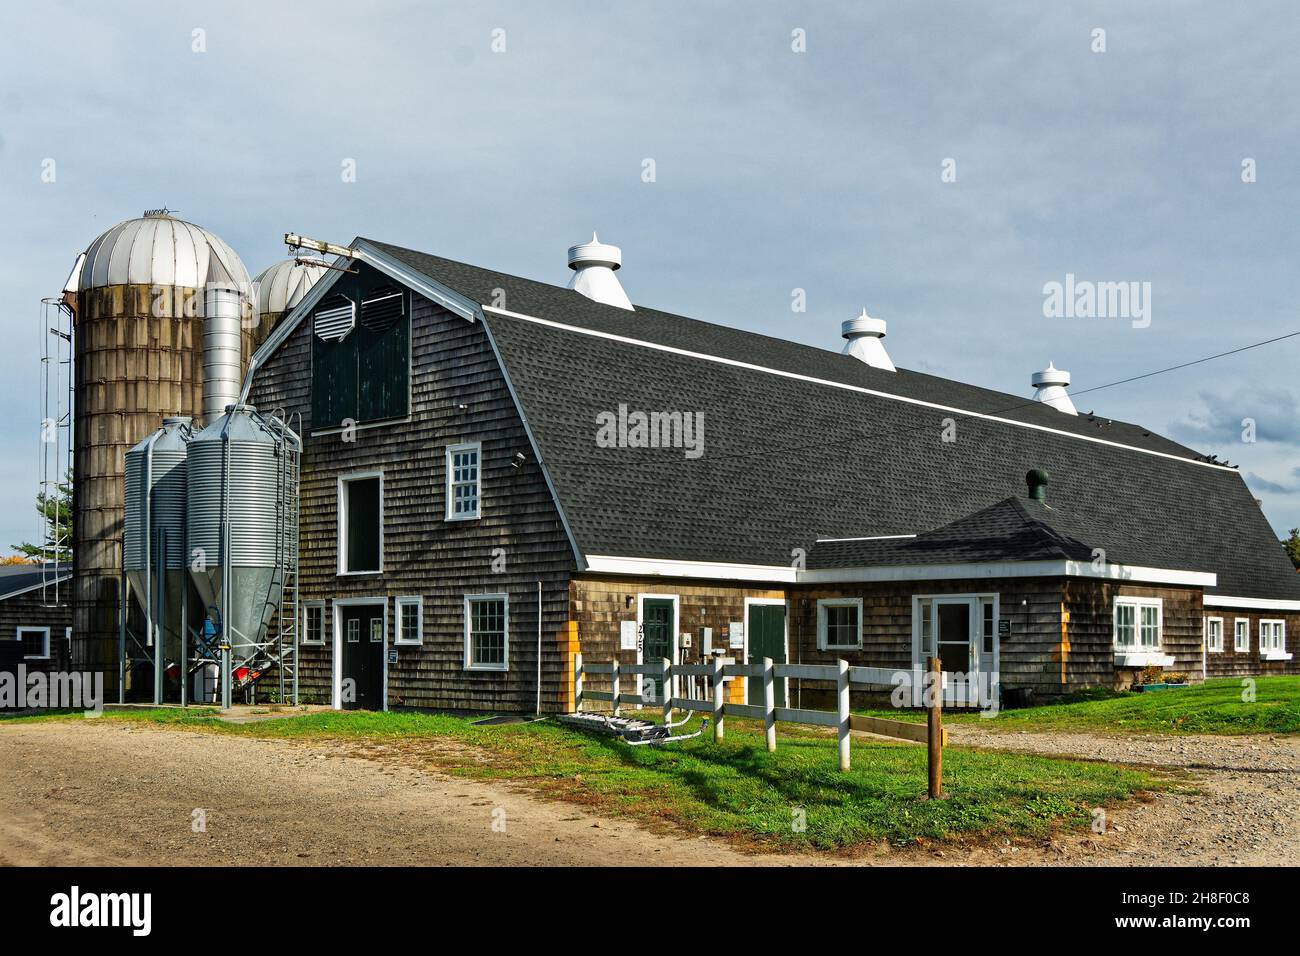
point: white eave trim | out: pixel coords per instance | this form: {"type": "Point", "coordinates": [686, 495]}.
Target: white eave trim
{"type": "Point", "coordinates": [1249, 603]}
{"type": "Point", "coordinates": [659, 567]}
{"type": "Point", "coordinates": [735, 363]}
{"type": "Point", "coordinates": [614, 564]}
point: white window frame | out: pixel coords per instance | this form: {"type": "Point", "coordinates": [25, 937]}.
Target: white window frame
{"type": "Point", "coordinates": [449, 488]}
{"type": "Point", "coordinates": [302, 634]}
{"type": "Point", "coordinates": [823, 638]}
{"type": "Point", "coordinates": [1237, 631]}
{"type": "Point", "coordinates": [45, 632]}
{"type": "Point", "coordinates": [505, 649]}
{"type": "Point", "coordinates": [1209, 631]}
{"type": "Point", "coordinates": [1138, 654]}
{"type": "Point", "coordinates": [343, 521]}
{"type": "Point", "coordinates": [1268, 652]}
{"type": "Point", "coordinates": [401, 637]}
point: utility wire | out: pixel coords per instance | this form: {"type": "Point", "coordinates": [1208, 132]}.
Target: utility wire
{"type": "Point", "coordinates": [862, 436]}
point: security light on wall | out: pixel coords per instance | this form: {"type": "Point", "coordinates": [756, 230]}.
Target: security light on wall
{"type": "Point", "coordinates": [629, 601]}
{"type": "Point", "coordinates": [519, 459]}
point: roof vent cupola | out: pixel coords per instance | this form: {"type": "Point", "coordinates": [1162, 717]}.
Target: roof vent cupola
{"type": "Point", "coordinates": [1050, 385]}
{"type": "Point", "coordinates": [863, 337]}
{"type": "Point", "coordinates": [593, 264]}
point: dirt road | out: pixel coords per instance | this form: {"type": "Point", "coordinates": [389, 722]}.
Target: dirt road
{"type": "Point", "coordinates": [108, 792]}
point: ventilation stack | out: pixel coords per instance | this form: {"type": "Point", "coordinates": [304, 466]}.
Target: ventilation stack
{"type": "Point", "coordinates": [865, 341]}
{"type": "Point", "coordinates": [593, 264]}
{"type": "Point", "coordinates": [139, 299]}
{"type": "Point", "coordinates": [1050, 388]}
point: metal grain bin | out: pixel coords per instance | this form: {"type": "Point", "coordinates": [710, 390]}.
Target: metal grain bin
{"type": "Point", "coordinates": [239, 521]}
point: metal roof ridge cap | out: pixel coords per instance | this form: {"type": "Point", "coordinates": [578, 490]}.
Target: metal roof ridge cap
{"type": "Point", "coordinates": [704, 356]}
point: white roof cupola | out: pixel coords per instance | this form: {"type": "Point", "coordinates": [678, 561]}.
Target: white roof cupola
{"type": "Point", "coordinates": [863, 337]}
{"type": "Point", "coordinates": [593, 264]}
{"type": "Point", "coordinates": [1050, 385]}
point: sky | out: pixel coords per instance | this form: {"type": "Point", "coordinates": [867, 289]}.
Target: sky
{"type": "Point", "coordinates": [937, 163]}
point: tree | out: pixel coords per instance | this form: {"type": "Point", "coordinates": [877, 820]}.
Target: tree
{"type": "Point", "coordinates": [56, 509]}
{"type": "Point", "coordinates": [1292, 545]}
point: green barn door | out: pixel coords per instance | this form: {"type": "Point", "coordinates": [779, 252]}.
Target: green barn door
{"type": "Point", "coordinates": [766, 633]}
{"type": "Point", "coordinates": [656, 640]}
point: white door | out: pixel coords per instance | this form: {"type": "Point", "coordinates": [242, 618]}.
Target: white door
{"type": "Point", "coordinates": [952, 629]}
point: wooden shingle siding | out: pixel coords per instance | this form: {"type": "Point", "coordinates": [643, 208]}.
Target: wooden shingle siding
{"type": "Point", "coordinates": [1232, 663]}
{"type": "Point", "coordinates": [458, 393]}
{"type": "Point", "coordinates": [30, 610]}
{"type": "Point", "coordinates": [1092, 631]}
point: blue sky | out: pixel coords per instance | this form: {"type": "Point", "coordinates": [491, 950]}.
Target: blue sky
{"type": "Point", "coordinates": [774, 170]}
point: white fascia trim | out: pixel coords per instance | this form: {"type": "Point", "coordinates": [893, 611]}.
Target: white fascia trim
{"type": "Point", "coordinates": [878, 537]}
{"type": "Point", "coordinates": [735, 363]}
{"type": "Point", "coordinates": [1009, 569]}
{"type": "Point", "coordinates": [1248, 603]}
{"type": "Point", "coordinates": [608, 564]}
{"type": "Point", "coordinates": [395, 269]}
{"type": "Point", "coordinates": [35, 587]}
{"type": "Point", "coordinates": [613, 564]}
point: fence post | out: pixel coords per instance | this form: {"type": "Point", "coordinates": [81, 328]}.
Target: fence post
{"type": "Point", "coordinates": [842, 685]}
{"type": "Point", "coordinates": [614, 695]}
{"type": "Point", "coordinates": [577, 683]}
{"type": "Point", "coordinates": [719, 699]}
{"type": "Point", "coordinates": [934, 726]}
{"type": "Point", "coordinates": [769, 704]}
{"type": "Point", "coordinates": [667, 688]}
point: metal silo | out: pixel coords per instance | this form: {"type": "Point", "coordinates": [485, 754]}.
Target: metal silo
{"type": "Point", "coordinates": [153, 539]}
{"type": "Point", "coordinates": [140, 295]}
{"type": "Point", "coordinates": [242, 530]}
{"type": "Point", "coordinates": [279, 289]}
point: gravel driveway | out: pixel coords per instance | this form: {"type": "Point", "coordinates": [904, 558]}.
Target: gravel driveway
{"type": "Point", "coordinates": [109, 792]}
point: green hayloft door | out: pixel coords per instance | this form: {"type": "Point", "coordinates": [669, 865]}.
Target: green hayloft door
{"type": "Point", "coordinates": [656, 641]}
{"type": "Point", "coordinates": [766, 632]}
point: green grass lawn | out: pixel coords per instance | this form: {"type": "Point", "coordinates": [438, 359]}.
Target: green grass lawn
{"type": "Point", "coordinates": [1215, 707]}
{"type": "Point", "coordinates": [735, 789]}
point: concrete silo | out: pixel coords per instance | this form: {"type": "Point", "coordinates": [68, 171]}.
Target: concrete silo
{"type": "Point", "coordinates": [147, 294]}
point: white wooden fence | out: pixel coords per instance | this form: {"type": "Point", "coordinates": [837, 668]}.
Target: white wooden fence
{"type": "Point", "coordinates": [718, 674]}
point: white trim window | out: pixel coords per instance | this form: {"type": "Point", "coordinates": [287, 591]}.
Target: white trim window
{"type": "Point", "coordinates": [839, 624]}
{"type": "Point", "coordinates": [313, 623]}
{"type": "Point", "coordinates": [35, 642]}
{"type": "Point", "coordinates": [1138, 629]}
{"type": "Point", "coordinates": [1214, 635]}
{"type": "Point", "coordinates": [1272, 640]}
{"type": "Point", "coordinates": [487, 632]}
{"type": "Point", "coordinates": [464, 481]}
{"type": "Point", "coordinates": [409, 620]}
{"type": "Point", "coordinates": [1241, 635]}
{"type": "Point", "coordinates": [361, 523]}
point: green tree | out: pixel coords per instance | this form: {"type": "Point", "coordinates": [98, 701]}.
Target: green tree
{"type": "Point", "coordinates": [56, 509]}
{"type": "Point", "coordinates": [1292, 545]}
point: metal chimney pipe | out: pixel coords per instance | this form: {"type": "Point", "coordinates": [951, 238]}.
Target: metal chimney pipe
{"type": "Point", "coordinates": [222, 327]}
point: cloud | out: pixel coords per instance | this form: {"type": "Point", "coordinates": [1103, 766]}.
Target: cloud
{"type": "Point", "coordinates": [1260, 483]}
{"type": "Point", "coordinates": [1226, 419]}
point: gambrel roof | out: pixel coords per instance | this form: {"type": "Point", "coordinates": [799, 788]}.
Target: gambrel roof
{"type": "Point", "coordinates": [801, 444]}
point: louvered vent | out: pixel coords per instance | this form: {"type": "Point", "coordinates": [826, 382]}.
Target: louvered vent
{"type": "Point", "coordinates": [381, 309]}
{"type": "Point", "coordinates": [335, 319]}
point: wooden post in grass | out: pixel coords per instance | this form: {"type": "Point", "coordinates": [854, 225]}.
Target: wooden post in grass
{"type": "Point", "coordinates": [934, 726]}
{"type": "Point", "coordinates": [577, 683]}
{"type": "Point", "coordinates": [769, 704]}
{"type": "Point", "coordinates": [719, 699]}
{"type": "Point", "coordinates": [842, 686]}
{"type": "Point", "coordinates": [665, 687]}
{"type": "Point", "coordinates": [615, 698]}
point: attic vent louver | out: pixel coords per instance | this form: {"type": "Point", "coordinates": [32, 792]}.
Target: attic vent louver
{"type": "Point", "coordinates": [593, 264]}
{"type": "Point", "coordinates": [863, 337]}
{"type": "Point", "coordinates": [1050, 385]}
{"type": "Point", "coordinates": [335, 319]}
{"type": "Point", "coordinates": [382, 308]}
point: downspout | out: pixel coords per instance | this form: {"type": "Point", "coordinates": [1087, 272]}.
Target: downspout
{"type": "Point", "coordinates": [539, 648]}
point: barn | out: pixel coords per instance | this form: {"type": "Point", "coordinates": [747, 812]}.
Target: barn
{"type": "Point", "coordinates": [499, 473]}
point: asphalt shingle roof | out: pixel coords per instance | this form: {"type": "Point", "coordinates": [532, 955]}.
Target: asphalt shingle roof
{"type": "Point", "coordinates": [787, 461]}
